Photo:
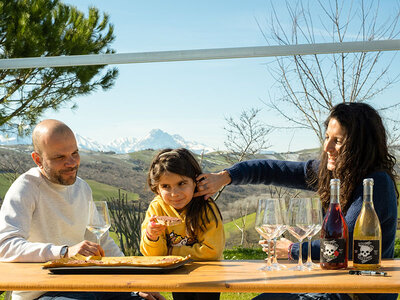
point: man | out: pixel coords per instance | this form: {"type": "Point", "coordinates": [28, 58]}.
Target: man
{"type": "Point", "coordinates": [44, 213]}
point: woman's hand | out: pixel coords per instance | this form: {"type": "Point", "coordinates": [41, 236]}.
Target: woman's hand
{"type": "Point", "coordinates": [85, 248]}
{"type": "Point", "coordinates": [209, 184]}
{"type": "Point", "coordinates": [154, 230]}
{"type": "Point", "coordinates": [282, 247]}
{"type": "Point", "coordinates": [151, 295]}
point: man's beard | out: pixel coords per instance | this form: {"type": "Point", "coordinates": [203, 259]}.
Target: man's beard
{"type": "Point", "coordinates": [57, 177]}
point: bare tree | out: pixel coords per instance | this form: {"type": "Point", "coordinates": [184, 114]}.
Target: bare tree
{"type": "Point", "coordinates": [11, 169]}
{"type": "Point", "coordinates": [393, 130]}
{"type": "Point", "coordinates": [312, 84]}
{"type": "Point", "coordinates": [14, 163]}
{"type": "Point", "coordinates": [246, 137]}
{"type": "Point", "coordinates": [243, 220]}
{"type": "Point", "coordinates": [280, 192]}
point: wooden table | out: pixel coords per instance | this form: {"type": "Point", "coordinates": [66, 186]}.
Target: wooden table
{"type": "Point", "coordinates": [222, 276]}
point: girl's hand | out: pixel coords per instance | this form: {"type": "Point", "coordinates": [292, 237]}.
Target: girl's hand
{"type": "Point", "coordinates": [209, 184]}
{"type": "Point", "coordinates": [154, 230]}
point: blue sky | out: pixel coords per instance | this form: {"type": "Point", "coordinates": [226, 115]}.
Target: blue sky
{"type": "Point", "coordinates": [192, 98]}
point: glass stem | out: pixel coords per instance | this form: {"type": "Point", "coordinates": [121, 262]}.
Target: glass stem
{"type": "Point", "coordinates": [275, 260]}
{"type": "Point", "coordinates": [309, 260]}
{"type": "Point", "coordinates": [269, 254]}
{"type": "Point", "coordinates": [300, 263]}
{"type": "Point", "coordinates": [98, 239]}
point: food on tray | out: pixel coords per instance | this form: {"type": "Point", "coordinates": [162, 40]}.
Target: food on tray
{"type": "Point", "coordinates": [169, 221]}
{"type": "Point", "coordinates": [142, 261]}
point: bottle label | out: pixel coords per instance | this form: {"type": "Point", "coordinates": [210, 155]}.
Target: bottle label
{"type": "Point", "coordinates": [333, 250]}
{"type": "Point", "coordinates": [366, 252]}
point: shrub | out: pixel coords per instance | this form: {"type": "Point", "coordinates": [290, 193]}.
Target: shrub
{"type": "Point", "coordinates": [127, 217]}
{"type": "Point", "coordinates": [238, 253]}
{"type": "Point", "coordinates": [397, 248]}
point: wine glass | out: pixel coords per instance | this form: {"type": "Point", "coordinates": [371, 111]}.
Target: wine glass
{"type": "Point", "coordinates": [275, 264]}
{"type": "Point", "coordinates": [317, 219]}
{"type": "Point", "coordinates": [268, 223]}
{"type": "Point", "coordinates": [299, 224]}
{"type": "Point", "coordinates": [99, 219]}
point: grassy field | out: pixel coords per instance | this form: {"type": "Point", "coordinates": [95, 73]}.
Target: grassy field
{"type": "Point", "coordinates": [145, 156]}
{"type": "Point", "coordinates": [230, 227]}
{"type": "Point", "coordinates": [4, 186]}
{"type": "Point", "coordinates": [101, 191]}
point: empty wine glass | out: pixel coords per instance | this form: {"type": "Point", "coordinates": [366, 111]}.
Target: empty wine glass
{"type": "Point", "coordinates": [268, 223]}
{"type": "Point", "coordinates": [275, 264]}
{"type": "Point", "coordinates": [299, 224]}
{"type": "Point", "coordinates": [317, 219]}
{"type": "Point", "coordinates": [99, 219]}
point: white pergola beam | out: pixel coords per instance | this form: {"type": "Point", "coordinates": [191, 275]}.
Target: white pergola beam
{"type": "Point", "coordinates": [200, 54]}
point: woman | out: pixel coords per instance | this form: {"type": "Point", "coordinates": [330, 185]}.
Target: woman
{"type": "Point", "coordinates": [355, 148]}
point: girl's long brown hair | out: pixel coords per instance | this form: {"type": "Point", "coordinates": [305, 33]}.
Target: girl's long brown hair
{"type": "Point", "coordinates": [182, 162]}
{"type": "Point", "coordinates": [364, 150]}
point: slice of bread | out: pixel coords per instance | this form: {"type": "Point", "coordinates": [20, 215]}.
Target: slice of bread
{"type": "Point", "coordinates": [168, 221]}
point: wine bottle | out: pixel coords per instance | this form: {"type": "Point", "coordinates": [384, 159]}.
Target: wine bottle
{"type": "Point", "coordinates": [334, 233]}
{"type": "Point", "coordinates": [367, 237]}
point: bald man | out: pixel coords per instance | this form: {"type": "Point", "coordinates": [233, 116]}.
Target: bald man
{"type": "Point", "coordinates": [45, 211]}
{"type": "Point", "coordinates": [56, 152]}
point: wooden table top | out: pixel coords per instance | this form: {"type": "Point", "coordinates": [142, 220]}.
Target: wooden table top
{"type": "Point", "coordinates": [215, 276]}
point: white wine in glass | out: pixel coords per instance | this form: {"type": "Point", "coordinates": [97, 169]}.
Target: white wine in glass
{"type": "Point", "coordinates": [317, 219]}
{"type": "Point", "coordinates": [268, 223]}
{"type": "Point", "coordinates": [275, 264]}
{"type": "Point", "coordinates": [99, 218]}
{"type": "Point", "coordinates": [299, 224]}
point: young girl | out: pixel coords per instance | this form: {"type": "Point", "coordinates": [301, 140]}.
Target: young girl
{"type": "Point", "coordinates": [172, 177]}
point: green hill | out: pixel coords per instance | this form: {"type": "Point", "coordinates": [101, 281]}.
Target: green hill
{"type": "Point", "coordinates": [100, 190]}
{"type": "Point", "coordinates": [231, 229]}
{"type": "Point", "coordinates": [4, 185]}
{"type": "Point", "coordinates": [233, 234]}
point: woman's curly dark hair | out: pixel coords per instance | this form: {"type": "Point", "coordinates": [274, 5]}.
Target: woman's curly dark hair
{"type": "Point", "coordinates": [364, 150]}
{"type": "Point", "coordinates": [181, 161]}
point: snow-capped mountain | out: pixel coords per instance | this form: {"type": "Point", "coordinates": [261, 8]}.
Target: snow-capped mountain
{"type": "Point", "coordinates": [89, 144]}
{"type": "Point", "coordinates": [122, 145]}
{"type": "Point", "coordinates": [155, 139]}
{"type": "Point", "coordinates": [158, 139]}
{"type": "Point", "coordinates": [14, 140]}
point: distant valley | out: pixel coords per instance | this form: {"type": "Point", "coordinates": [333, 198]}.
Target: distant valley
{"type": "Point", "coordinates": [128, 170]}
{"type": "Point", "coordinates": [109, 170]}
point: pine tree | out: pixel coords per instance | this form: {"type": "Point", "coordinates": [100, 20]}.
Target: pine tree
{"type": "Point", "coordinates": [35, 28]}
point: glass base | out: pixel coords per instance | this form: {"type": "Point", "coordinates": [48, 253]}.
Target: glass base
{"type": "Point", "coordinates": [266, 268]}
{"type": "Point", "coordinates": [299, 268]}
{"type": "Point", "coordinates": [311, 266]}
{"type": "Point", "coordinates": [278, 266]}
